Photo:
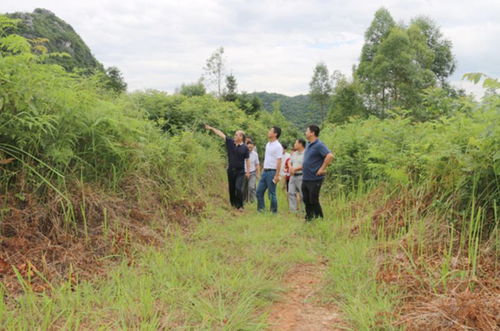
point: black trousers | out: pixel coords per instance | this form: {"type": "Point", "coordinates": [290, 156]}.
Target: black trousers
{"type": "Point", "coordinates": [236, 181]}
{"type": "Point", "coordinates": [310, 196]}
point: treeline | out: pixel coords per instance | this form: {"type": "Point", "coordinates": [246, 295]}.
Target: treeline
{"type": "Point", "coordinates": [178, 113]}
{"type": "Point", "coordinates": [403, 70]}
{"type": "Point", "coordinates": [216, 81]}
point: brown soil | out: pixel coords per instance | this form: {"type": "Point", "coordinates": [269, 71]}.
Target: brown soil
{"type": "Point", "coordinates": [455, 311]}
{"type": "Point", "coordinates": [300, 307]}
{"type": "Point", "coordinates": [35, 242]}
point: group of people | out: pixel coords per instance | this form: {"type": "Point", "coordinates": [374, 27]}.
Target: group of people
{"type": "Point", "coordinates": [303, 170]}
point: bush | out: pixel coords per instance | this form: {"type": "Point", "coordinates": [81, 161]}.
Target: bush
{"type": "Point", "coordinates": [177, 113]}
{"type": "Point", "coordinates": [57, 128]}
{"type": "Point", "coordinates": [455, 156]}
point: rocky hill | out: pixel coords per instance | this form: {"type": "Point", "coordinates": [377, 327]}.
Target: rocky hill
{"type": "Point", "coordinates": [42, 23]}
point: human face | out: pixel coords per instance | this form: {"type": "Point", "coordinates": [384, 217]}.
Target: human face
{"type": "Point", "coordinates": [297, 146]}
{"type": "Point", "coordinates": [309, 135]}
{"type": "Point", "coordinates": [271, 134]}
{"type": "Point", "coordinates": [238, 137]}
{"type": "Point", "coordinates": [250, 147]}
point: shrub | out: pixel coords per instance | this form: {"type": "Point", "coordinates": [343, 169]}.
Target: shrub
{"type": "Point", "coordinates": [455, 156]}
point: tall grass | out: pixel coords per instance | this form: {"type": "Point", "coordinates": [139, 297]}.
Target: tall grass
{"type": "Point", "coordinates": [350, 279]}
{"type": "Point", "coordinates": [59, 129]}
{"type": "Point", "coordinates": [222, 276]}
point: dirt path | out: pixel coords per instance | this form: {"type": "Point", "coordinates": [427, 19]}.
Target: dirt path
{"type": "Point", "coordinates": [300, 308]}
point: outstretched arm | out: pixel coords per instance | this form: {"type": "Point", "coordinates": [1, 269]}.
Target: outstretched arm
{"type": "Point", "coordinates": [216, 131]}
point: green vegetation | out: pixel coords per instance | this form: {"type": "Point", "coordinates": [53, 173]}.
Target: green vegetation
{"type": "Point", "coordinates": [320, 88]}
{"type": "Point", "coordinates": [224, 274]}
{"type": "Point", "coordinates": [412, 197]}
{"type": "Point", "coordinates": [192, 90]}
{"type": "Point", "coordinates": [351, 278]}
{"type": "Point", "coordinates": [455, 158]}
{"type": "Point", "coordinates": [429, 214]}
{"type": "Point", "coordinates": [221, 276]}
{"type": "Point", "coordinates": [178, 113]}
{"type": "Point", "coordinates": [50, 34]}
{"type": "Point", "coordinates": [403, 69]}
{"type": "Point", "coordinates": [60, 36]}
{"type": "Point", "coordinates": [59, 127]}
{"type": "Point", "coordinates": [299, 109]}
{"type": "Point", "coordinates": [215, 72]}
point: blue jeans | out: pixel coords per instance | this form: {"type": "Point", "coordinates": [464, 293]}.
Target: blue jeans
{"type": "Point", "coordinates": [266, 183]}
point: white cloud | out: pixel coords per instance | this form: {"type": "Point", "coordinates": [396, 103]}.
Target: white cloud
{"type": "Point", "coordinates": [270, 45]}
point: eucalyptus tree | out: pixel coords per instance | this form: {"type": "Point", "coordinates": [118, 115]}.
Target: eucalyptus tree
{"type": "Point", "coordinates": [215, 69]}
{"type": "Point", "coordinates": [321, 88]}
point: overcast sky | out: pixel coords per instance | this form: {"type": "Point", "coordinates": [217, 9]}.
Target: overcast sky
{"type": "Point", "coordinates": [269, 45]}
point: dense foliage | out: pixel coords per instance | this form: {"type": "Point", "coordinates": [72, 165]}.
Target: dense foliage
{"type": "Point", "coordinates": [405, 144]}
{"type": "Point", "coordinates": [299, 109]}
{"type": "Point", "coordinates": [178, 113]}
{"type": "Point", "coordinates": [402, 67]}
{"type": "Point", "coordinates": [59, 127]}
{"type": "Point", "coordinates": [455, 156]}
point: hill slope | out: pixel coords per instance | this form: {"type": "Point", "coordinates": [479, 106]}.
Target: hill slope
{"type": "Point", "coordinates": [42, 23]}
{"type": "Point", "coordinates": [299, 109]}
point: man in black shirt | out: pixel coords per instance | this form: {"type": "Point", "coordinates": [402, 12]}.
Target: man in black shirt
{"type": "Point", "coordinates": [237, 155]}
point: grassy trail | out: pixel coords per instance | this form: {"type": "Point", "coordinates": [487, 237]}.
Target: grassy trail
{"type": "Point", "coordinates": [223, 276]}
{"type": "Point", "coordinates": [302, 306]}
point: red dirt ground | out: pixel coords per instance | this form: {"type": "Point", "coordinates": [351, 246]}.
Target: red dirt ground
{"type": "Point", "coordinates": [300, 308]}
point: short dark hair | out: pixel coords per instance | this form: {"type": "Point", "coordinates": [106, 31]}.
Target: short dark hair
{"type": "Point", "coordinates": [249, 141]}
{"type": "Point", "coordinates": [243, 135]}
{"type": "Point", "coordinates": [285, 146]}
{"type": "Point", "coordinates": [302, 142]}
{"type": "Point", "coordinates": [277, 130]}
{"type": "Point", "coordinates": [315, 129]}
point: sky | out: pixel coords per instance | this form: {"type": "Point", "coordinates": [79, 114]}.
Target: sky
{"type": "Point", "coordinates": [269, 45]}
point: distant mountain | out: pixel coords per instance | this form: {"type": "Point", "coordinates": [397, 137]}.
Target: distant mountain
{"type": "Point", "coordinates": [299, 110]}
{"type": "Point", "coordinates": [42, 23]}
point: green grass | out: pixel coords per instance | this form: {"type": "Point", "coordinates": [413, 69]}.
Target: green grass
{"type": "Point", "coordinates": [219, 277]}
{"type": "Point", "coordinates": [352, 284]}
{"type": "Point", "coordinates": [222, 276]}
{"type": "Point", "coordinates": [350, 279]}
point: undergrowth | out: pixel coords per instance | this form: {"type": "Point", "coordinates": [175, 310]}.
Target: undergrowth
{"type": "Point", "coordinates": [220, 276]}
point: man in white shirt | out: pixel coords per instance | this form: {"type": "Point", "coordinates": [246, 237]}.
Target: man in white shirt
{"type": "Point", "coordinates": [271, 173]}
{"type": "Point", "coordinates": [295, 185]}
{"type": "Point", "coordinates": [254, 172]}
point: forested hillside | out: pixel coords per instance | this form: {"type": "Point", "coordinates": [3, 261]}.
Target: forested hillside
{"type": "Point", "coordinates": [59, 37]}
{"type": "Point", "coordinates": [59, 44]}
{"type": "Point", "coordinates": [299, 109]}
{"type": "Point", "coordinates": [114, 212]}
